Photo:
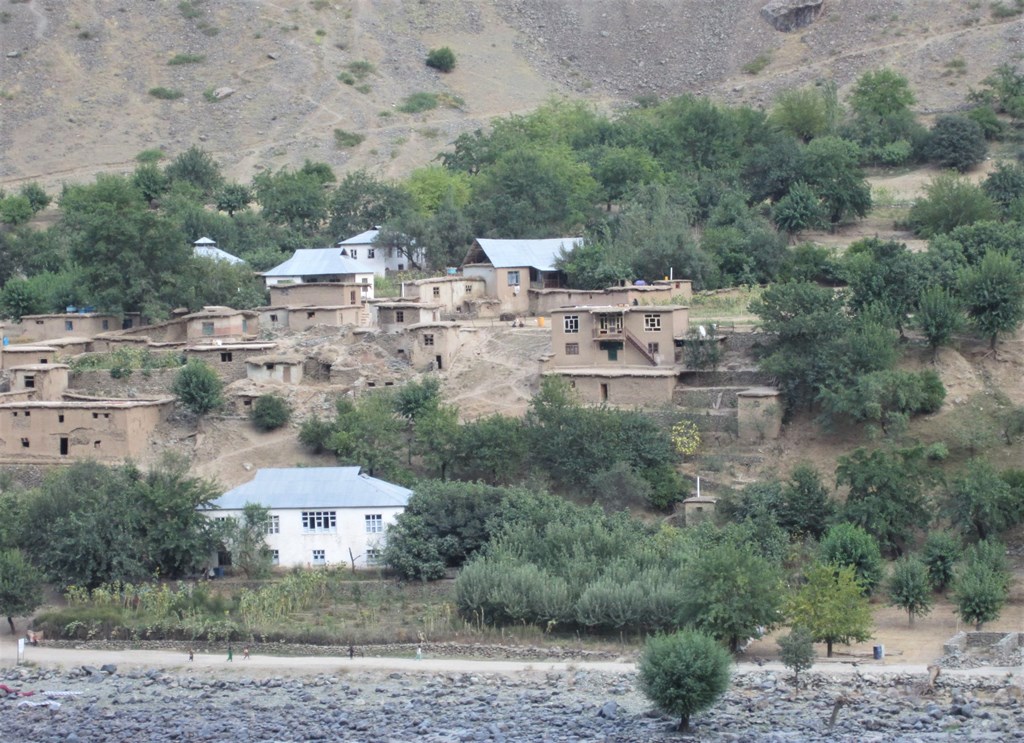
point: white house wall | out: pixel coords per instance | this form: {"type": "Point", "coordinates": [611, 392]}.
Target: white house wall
{"type": "Point", "coordinates": [295, 547]}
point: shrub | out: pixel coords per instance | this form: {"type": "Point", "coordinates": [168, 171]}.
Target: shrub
{"type": "Point", "coordinates": [198, 387]}
{"type": "Point", "coordinates": [343, 139]}
{"type": "Point", "coordinates": [957, 142]}
{"type": "Point", "coordinates": [684, 673]}
{"type": "Point", "coordinates": [940, 554]}
{"type": "Point", "coordinates": [757, 64]}
{"type": "Point", "coordinates": [186, 59]}
{"type": "Point", "coordinates": [442, 59]}
{"type": "Point", "coordinates": [314, 434]}
{"type": "Point", "coordinates": [846, 544]}
{"type": "Point", "coordinates": [796, 650]}
{"type": "Point", "coordinates": [270, 412]}
{"type": "Point", "coordinates": [418, 102]}
{"type": "Point", "coordinates": [166, 94]}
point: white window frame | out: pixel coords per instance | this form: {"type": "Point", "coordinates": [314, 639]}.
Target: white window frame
{"type": "Point", "coordinates": [371, 253]}
{"type": "Point", "coordinates": [319, 557]}
{"type": "Point", "coordinates": [275, 557]}
{"type": "Point", "coordinates": [354, 253]}
{"type": "Point", "coordinates": [319, 522]}
{"type": "Point", "coordinates": [652, 322]}
{"type": "Point", "coordinates": [571, 323]}
{"type": "Point", "coordinates": [374, 523]}
{"type": "Point", "coordinates": [513, 278]}
{"type": "Point", "coordinates": [273, 524]}
{"type": "Point", "coordinates": [374, 556]}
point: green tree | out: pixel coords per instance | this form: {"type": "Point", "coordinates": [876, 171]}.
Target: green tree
{"type": "Point", "coordinates": [315, 434]}
{"type": "Point", "coordinates": [196, 167]}
{"type": "Point", "coordinates": [430, 186]}
{"type": "Point", "coordinates": [886, 493]}
{"type": "Point", "coordinates": [494, 450]}
{"type": "Point", "coordinates": [805, 508]}
{"type": "Point", "coordinates": [831, 604]}
{"type": "Point", "coordinates": [796, 650]}
{"type": "Point", "coordinates": [950, 201]}
{"type": "Point", "coordinates": [939, 316]}
{"type": "Point", "coordinates": [441, 59]}
{"type": "Point", "coordinates": [683, 673]}
{"type": "Point", "coordinates": [234, 197]}
{"type": "Point", "coordinates": [982, 503]}
{"type": "Point", "coordinates": [20, 297]}
{"type": "Point", "coordinates": [198, 387]}
{"type": "Point", "coordinates": [881, 93]}
{"type": "Point", "coordinates": [802, 112]}
{"type": "Point", "coordinates": [37, 197]}
{"type": "Point", "coordinates": [887, 398]}
{"type": "Point", "coordinates": [957, 142]}
{"type": "Point", "coordinates": [270, 412]}
{"type": "Point", "coordinates": [361, 202]}
{"type": "Point", "coordinates": [847, 545]}
{"type": "Point", "coordinates": [910, 588]}
{"type": "Point", "coordinates": [15, 210]}
{"type": "Point", "coordinates": [982, 584]}
{"type": "Point", "coordinates": [883, 273]}
{"type": "Point", "coordinates": [993, 295]}
{"type": "Point", "coordinates": [940, 553]}
{"type": "Point", "coordinates": [437, 438]}
{"type": "Point", "coordinates": [368, 433]}
{"type": "Point", "coordinates": [21, 591]}
{"type": "Point", "coordinates": [798, 210]}
{"type": "Point", "coordinates": [150, 181]}
{"type": "Point", "coordinates": [831, 167]}
{"type": "Point", "coordinates": [730, 591]}
{"type": "Point", "coordinates": [245, 538]}
{"type": "Point", "coordinates": [1005, 185]}
{"type": "Point", "coordinates": [294, 199]}
{"type": "Point", "coordinates": [617, 169]}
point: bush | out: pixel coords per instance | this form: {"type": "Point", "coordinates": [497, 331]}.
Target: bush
{"type": "Point", "coordinates": [684, 673]}
{"type": "Point", "coordinates": [166, 94]}
{"type": "Point", "coordinates": [315, 433]}
{"type": "Point", "coordinates": [957, 142]}
{"type": "Point", "coordinates": [418, 102]}
{"type": "Point", "coordinates": [796, 650]}
{"type": "Point", "coordinates": [198, 387]}
{"type": "Point", "coordinates": [179, 59]}
{"type": "Point", "coordinates": [270, 412]}
{"type": "Point", "coordinates": [344, 139]}
{"type": "Point", "coordinates": [951, 202]}
{"type": "Point", "coordinates": [442, 59]}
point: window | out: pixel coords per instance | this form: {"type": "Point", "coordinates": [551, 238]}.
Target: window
{"type": "Point", "coordinates": [275, 557]}
{"type": "Point", "coordinates": [319, 521]}
{"type": "Point", "coordinates": [69, 325]}
{"type": "Point", "coordinates": [273, 524]}
{"type": "Point", "coordinates": [572, 349]}
{"type": "Point", "coordinates": [652, 348]}
{"type": "Point", "coordinates": [428, 339]}
{"type": "Point", "coordinates": [207, 328]}
{"type": "Point", "coordinates": [106, 324]}
{"type": "Point", "coordinates": [247, 402]}
{"type": "Point", "coordinates": [513, 278]}
{"type": "Point", "coordinates": [469, 288]}
{"type": "Point", "coordinates": [309, 315]}
{"type": "Point", "coordinates": [273, 318]}
{"type": "Point", "coordinates": [437, 291]}
{"type": "Point", "coordinates": [571, 323]}
{"type": "Point", "coordinates": [366, 280]}
{"type": "Point", "coordinates": [370, 253]}
{"type": "Point", "coordinates": [28, 413]}
{"type": "Point", "coordinates": [24, 443]}
{"type": "Point", "coordinates": [399, 315]}
{"type": "Point", "coordinates": [652, 323]}
{"type": "Point", "coordinates": [319, 557]}
{"type": "Point", "coordinates": [30, 381]}
{"type": "Point", "coordinates": [60, 417]}
{"type": "Point", "coordinates": [401, 266]}
{"type": "Point", "coordinates": [373, 557]}
{"type": "Point", "coordinates": [225, 356]}
{"type": "Point", "coordinates": [374, 523]}
{"type": "Point", "coordinates": [355, 253]}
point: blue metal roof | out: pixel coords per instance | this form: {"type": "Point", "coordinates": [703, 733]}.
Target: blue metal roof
{"type": "Point", "coordinates": [215, 253]}
{"type": "Point", "coordinates": [363, 238]}
{"type": "Point", "coordinates": [314, 487]}
{"type": "Point", "coordinates": [319, 262]}
{"type": "Point", "coordinates": [538, 254]}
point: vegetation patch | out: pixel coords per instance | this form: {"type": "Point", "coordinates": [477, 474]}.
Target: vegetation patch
{"type": "Point", "coordinates": [179, 59]}
{"type": "Point", "coordinates": [345, 139]}
{"type": "Point", "coordinates": [757, 64]}
{"type": "Point", "coordinates": [166, 94]}
{"type": "Point", "coordinates": [418, 102]}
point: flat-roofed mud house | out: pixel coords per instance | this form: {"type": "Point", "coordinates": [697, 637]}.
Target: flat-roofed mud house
{"type": "Point", "coordinates": [625, 355]}
{"type": "Point", "coordinates": [456, 296]}
{"type": "Point", "coordinates": [73, 324]}
{"type": "Point", "coordinates": [511, 268]}
{"type": "Point", "coordinates": [13, 355]}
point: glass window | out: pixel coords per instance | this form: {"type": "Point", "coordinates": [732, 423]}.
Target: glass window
{"type": "Point", "coordinates": [373, 557]}
{"type": "Point", "coordinates": [652, 322]}
{"type": "Point", "coordinates": [355, 253]}
{"type": "Point", "coordinates": [399, 315]}
{"type": "Point", "coordinates": [513, 278]}
{"type": "Point", "coordinates": [572, 349]}
{"type": "Point", "coordinates": [273, 524]}
{"type": "Point", "coordinates": [207, 328]}
{"type": "Point", "coordinates": [428, 339]}
{"type": "Point", "coordinates": [652, 348]}
{"type": "Point", "coordinates": [69, 325]}
{"type": "Point", "coordinates": [370, 253]}
{"type": "Point", "coordinates": [572, 323]}
{"type": "Point", "coordinates": [275, 557]}
{"type": "Point", "coordinates": [319, 521]}
{"type": "Point", "coordinates": [374, 523]}
{"type": "Point", "coordinates": [319, 557]}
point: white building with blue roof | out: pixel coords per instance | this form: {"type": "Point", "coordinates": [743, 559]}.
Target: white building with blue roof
{"type": "Point", "coordinates": [321, 266]}
{"type": "Point", "coordinates": [319, 514]}
{"type": "Point", "coordinates": [382, 257]}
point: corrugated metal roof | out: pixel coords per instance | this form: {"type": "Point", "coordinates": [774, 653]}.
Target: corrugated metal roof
{"type": "Point", "coordinates": [215, 253]}
{"type": "Point", "coordinates": [314, 487]}
{"type": "Point", "coordinates": [319, 262]}
{"type": "Point", "coordinates": [363, 238]}
{"type": "Point", "coordinates": [539, 254]}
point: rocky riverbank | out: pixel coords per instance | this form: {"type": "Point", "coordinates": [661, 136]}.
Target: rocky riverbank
{"type": "Point", "coordinates": [232, 704]}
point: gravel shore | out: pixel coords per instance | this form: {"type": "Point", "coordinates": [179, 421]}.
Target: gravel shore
{"type": "Point", "coordinates": [578, 704]}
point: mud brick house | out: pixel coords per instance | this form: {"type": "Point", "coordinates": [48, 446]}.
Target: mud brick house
{"type": "Point", "coordinates": [44, 381]}
{"type": "Point", "coordinates": [396, 316]}
{"type": "Point", "coordinates": [319, 516]}
{"type": "Point", "coordinates": [335, 316]}
{"type": "Point", "coordinates": [512, 268]}
{"type": "Point", "coordinates": [13, 355]}
{"type": "Point", "coordinates": [456, 296]}
{"type": "Point", "coordinates": [622, 354]}
{"type": "Point", "coordinates": [320, 294]}
{"type": "Point", "coordinates": [73, 324]}
{"type": "Point", "coordinates": [228, 360]}
{"type": "Point", "coordinates": [275, 368]}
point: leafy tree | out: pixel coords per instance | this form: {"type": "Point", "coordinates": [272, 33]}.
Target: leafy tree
{"type": "Point", "coordinates": [292, 198]}
{"type": "Point", "coordinates": [196, 167]}
{"type": "Point", "coordinates": [234, 197]}
{"type": "Point", "coordinates": [940, 553]}
{"type": "Point", "coordinates": [831, 167]}
{"type": "Point", "coordinates": [20, 588]}
{"type": "Point", "coordinates": [618, 169]}
{"type": "Point", "coordinates": [246, 540]}
{"type": "Point", "coordinates": [1005, 185]}
{"type": "Point", "coordinates": [982, 584]}
{"type": "Point", "coordinates": [594, 265]}
{"type": "Point", "coordinates": [799, 210]}
{"type": "Point", "coordinates": [881, 93]}
{"type": "Point", "coordinates": [802, 112]}
{"type": "Point", "coordinates": [20, 297]}
{"type": "Point", "coordinates": [1004, 90]}
{"type": "Point", "coordinates": [993, 295]}
{"type": "Point", "coordinates": [15, 210]}
{"type": "Point", "coordinates": [887, 398]}
{"type": "Point", "coordinates": [37, 197]}
{"type": "Point", "coordinates": [983, 504]}
{"type": "Point", "coordinates": [950, 201]}
{"type": "Point", "coordinates": [832, 606]}
{"type": "Point", "coordinates": [730, 592]}
{"type": "Point", "coordinates": [438, 438]}
{"type": "Point", "coordinates": [362, 202]}
{"type": "Point", "coordinates": [430, 186]}
{"type": "Point", "coordinates": [957, 142]}
{"type": "Point", "coordinates": [683, 673]}
{"type": "Point", "coordinates": [939, 316]}
{"type": "Point", "coordinates": [493, 449]}
{"type": "Point", "coordinates": [129, 255]}
{"type": "Point", "coordinates": [701, 353]}
{"type": "Point", "coordinates": [910, 587]}
{"type": "Point", "coordinates": [150, 181]}
{"type": "Point", "coordinates": [883, 273]}
{"type": "Point", "coordinates": [847, 545]}
{"type": "Point", "coordinates": [796, 650]}
{"type": "Point", "coordinates": [270, 412]}
{"type": "Point", "coordinates": [198, 387]}
{"type": "Point", "coordinates": [315, 434]}
{"type": "Point", "coordinates": [367, 433]}
{"type": "Point", "coordinates": [805, 508]}
{"type": "Point", "coordinates": [442, 59]}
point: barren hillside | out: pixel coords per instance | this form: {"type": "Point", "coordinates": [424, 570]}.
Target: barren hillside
{"type": "Point", "coordinates": [75, 76]}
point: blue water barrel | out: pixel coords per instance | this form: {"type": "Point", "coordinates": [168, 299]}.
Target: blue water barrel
{"type": "Point", "coordinates": [879, 652]}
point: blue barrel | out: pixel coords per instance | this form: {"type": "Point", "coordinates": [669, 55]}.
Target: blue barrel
{"type": "Point", "coordinates": [879, 652]}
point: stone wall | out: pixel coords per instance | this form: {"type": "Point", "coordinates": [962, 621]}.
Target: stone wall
{"type": "Point", "coordinates": [99, 383]}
